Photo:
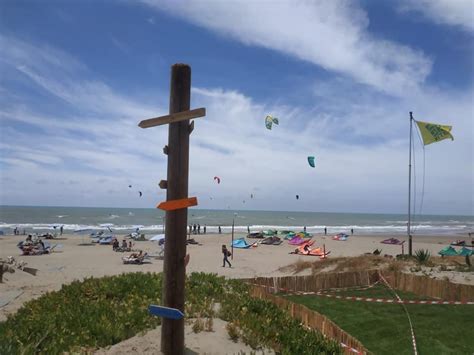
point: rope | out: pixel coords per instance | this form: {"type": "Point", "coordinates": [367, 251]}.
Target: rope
{"type": "Point", "coordinates": [406, 311]}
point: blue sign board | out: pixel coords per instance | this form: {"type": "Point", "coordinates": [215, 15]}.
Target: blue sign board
{"type": "Point", "coordinates": [165, 312]}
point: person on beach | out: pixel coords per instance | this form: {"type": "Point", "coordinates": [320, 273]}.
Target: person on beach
{"type": "Point", "coordinates": [248, 229]}
{"type": "Point", "coordinates": [306, 249]}
{"type": "Point", "coordinates": [220, 230]}
{"type": "Point", "coordinates": [204, 229]}
{"type": "Point", "coordinates": [325, 231]}
{"type": "Point", "coordinates": [226, 255]}
{"type": "Point", "coordinates": [304, 229]}
{"type": "Point", "coordinates": [194, 229]}
{"type": "Point", "coordinates": [61, 230]}
{"type": "Point", "coordinates": [190, 229]}
{"type": "Point", "coordinates": [199, 229]}
{"type": "Point", "coordinates": [352, 231]}
{"type": "Point", "coordinates": [124, 244]}
{"type": "Point", "coordinates": [115, 245]}
{"type": "Point", "coordinates": [130, 246]}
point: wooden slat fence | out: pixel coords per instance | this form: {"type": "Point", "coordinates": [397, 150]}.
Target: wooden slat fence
{"type": "Point", "coordinates": [429, 287]}
{"type": "Point", "coordinates": [314, 283]}
{"type": "Point", "coordinates": [311, 319]}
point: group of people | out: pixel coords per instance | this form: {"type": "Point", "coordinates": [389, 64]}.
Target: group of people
{"type": "Point", "coordinates": [124, 247]}
{"type": "Point", "coordinates": [196, 229]}
{"type": "Point", "coordinates": [32, 246]}
{"type": "Point", "coordinates": [16, 231]}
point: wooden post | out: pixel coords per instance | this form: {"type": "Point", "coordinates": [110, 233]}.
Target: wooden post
{"type": "Point", "coordinates": [174, 273]}
{"type": "Point", "coordinates": [232, 243]}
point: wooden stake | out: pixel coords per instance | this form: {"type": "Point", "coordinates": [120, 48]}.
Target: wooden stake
{"type": "Point", "coordinates": [174, 273]}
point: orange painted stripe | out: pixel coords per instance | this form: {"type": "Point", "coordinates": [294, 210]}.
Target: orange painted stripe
{"type": "Point", "coordinates": [178, 204]}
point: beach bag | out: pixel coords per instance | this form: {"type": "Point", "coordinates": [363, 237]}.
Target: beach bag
{"type": "Point", "coordinates": [229, 253]}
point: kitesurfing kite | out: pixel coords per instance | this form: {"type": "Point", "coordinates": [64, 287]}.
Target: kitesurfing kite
{"type": "Point", "coordinates": [297, 197]}
{"type": "Point", "coordinates": [311, 161]}
{"type": "Point", "coordinates": [218, 179]}
{"type": "Point", "coordinates": [269, 120]}
{"type": "Point", "coordinates": [251, 195]}
{"type": "Point", "coordinates": [130, 186]}
{"type": "Point", "coordinates": [140, 193]}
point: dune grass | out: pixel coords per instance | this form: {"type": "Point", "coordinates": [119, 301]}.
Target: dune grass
{"type": "Point", "coordinates": [384, 329]}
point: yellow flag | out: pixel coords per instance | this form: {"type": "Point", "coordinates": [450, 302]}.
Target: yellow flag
{"type": "Point", "coordinates": [432, 132]}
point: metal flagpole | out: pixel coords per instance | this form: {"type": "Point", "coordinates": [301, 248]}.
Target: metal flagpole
{"type": "Point", "coordinates": [409, 191]}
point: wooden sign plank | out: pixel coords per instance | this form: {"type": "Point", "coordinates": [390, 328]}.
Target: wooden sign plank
{"type": "Point", "coordinates": [165, 312]}
{"type": "Point", "coordinates": [178, 204]}
{"type": "Point", "coordinates": [174, 117]}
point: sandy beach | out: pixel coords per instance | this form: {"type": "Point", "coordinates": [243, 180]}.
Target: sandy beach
{"type": "Point", "coordinates": [71, 261]}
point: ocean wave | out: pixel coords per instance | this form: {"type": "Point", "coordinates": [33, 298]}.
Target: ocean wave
{"type": "Point", "coordinates": [358, 229]}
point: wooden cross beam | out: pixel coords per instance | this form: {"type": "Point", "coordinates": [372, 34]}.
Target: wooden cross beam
{"type": "Point", "coordinates": [176, 204]}
{"type": "Point", "coordinates": [174, 117]}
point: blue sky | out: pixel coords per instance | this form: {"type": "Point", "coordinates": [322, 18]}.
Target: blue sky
{"type": "Point", "coordinates": [77, 77]}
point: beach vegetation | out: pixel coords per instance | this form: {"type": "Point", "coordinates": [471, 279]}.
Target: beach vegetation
{"type": "Point", "coordinates": [233, 331]}
{"type": "Point", "coordinates": [99, 312]}
{"type": "Point", "coordinates": [422, 256]}
{"type": "Point", "coordinates": [198, 325]}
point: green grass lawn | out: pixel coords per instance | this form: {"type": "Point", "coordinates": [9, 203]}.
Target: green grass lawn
{"type": "Point", "coordinates": [384, 328]}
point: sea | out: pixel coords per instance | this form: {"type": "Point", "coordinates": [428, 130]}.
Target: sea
{"type": "Point", "coordinates": [150, 221]}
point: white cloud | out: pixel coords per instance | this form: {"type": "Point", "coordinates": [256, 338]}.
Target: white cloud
{"type": "Point", "coordinates": [447, 12]}
{"type": "Point", "coordinates": [330, 34]}
{"type": "Point", "coordinates": [359, 140]}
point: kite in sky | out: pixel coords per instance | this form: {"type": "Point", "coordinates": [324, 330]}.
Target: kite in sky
{"type": "Point", "coordinates": [218, 179]}
{"type": "Point", "coordinates": [297, 197]}
{"type": "Point", "coordinates": [140, 193]}
{"type": "Point", "coordinates": [269, 120]}
{"type": "Point", "coordinates": [311, 161]}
